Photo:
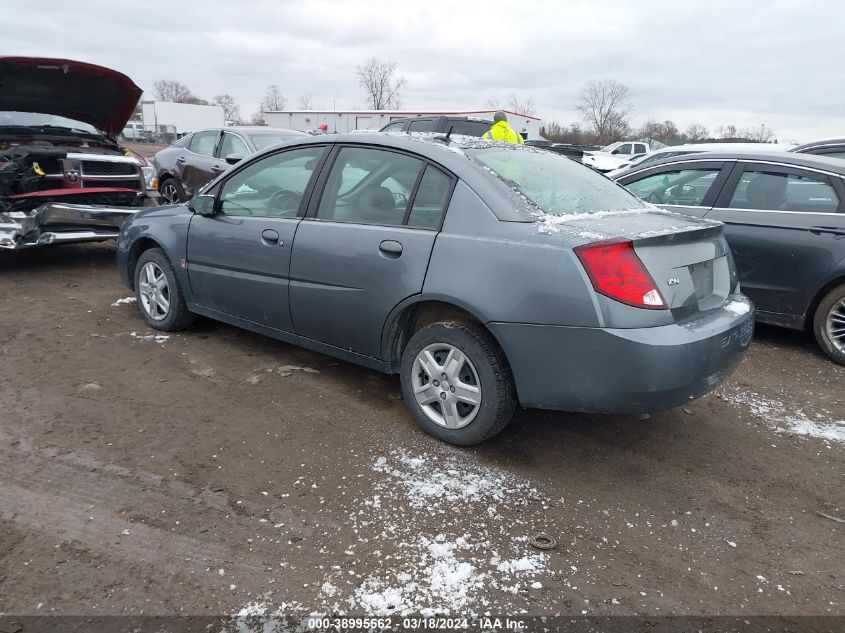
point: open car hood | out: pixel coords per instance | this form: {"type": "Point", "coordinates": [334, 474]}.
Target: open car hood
{"type": "Point", "coordinates": [93, 94]}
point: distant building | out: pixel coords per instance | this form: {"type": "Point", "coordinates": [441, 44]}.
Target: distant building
{"type": "Point", "coordinates": [350, 120]}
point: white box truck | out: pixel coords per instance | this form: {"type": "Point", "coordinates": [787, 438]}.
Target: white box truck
{"type": "Point", "coordinates": [168, 121]}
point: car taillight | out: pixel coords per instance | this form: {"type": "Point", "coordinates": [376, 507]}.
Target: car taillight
{"type": "Point", "coordinates": [616, 272]}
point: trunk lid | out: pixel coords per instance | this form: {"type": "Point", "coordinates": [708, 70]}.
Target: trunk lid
{"type": "Point", "coordinates": [688, 258]}
{"type": "Point", "coordinates": [84, 92]}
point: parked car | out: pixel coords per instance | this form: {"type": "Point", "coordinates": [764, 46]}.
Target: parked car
{"type": "Point", "coordinates": [614, 155]}
{"type": "Point", "coordinates": [465, 125]}
{"type": "Point", "coordinates": [485, 274]}
{"type": "Point", "coordinates": [784, 216]}
{"type": "Point", "coordinates": [188, 164]}
{"type": "Point", "coordinates": [574, 151]}
{"type": "Point", "coordinates": [694, 148]}
{"type": "Point", "coordinates": [831, 148]}
{"type": "Point", "coordinates": [63, 177]}
{"type": "Point", "coordinates": [133, 131]}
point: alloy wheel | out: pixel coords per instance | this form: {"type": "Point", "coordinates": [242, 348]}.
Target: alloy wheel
{"type": "Point", "coordinates": [835, 325]}
{"type": "Point", "coordinates": [154, 291]}
{"type": "Point", "coordinates": [446, 386]}
{"type": "Point", "coordinates": [169, 192]}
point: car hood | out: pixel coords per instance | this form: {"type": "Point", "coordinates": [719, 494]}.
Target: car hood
{"type": "Point", "coordinates": [93, 94]}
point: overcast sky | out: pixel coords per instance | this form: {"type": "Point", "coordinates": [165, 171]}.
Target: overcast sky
{"type": "Point", "coordinates": [714, 62]}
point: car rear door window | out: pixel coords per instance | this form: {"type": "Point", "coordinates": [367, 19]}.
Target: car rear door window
{"type": "Point", "coordinates": [271, 187]}
{"type": "Point", "coordinates": [421, 125]}
{"type": "Point", "coordinates": [683, 187]}
{"type": "Point", "coordinates": [640, 148]}
{"type": "Point", "coordinates": [469, 128]}
{"type": "Point", "coordinates": [233, 144]}
{"type": "Point", "coordinates": [430, 199]}
{"type": "Point", "coordinates": [625, 148]}
{"type": "Point", "coordinates": [369, 186]}
{"type": "Point", "coordinates": [203, 143]}
{"type": "Point", "coordinates": [783, 190]}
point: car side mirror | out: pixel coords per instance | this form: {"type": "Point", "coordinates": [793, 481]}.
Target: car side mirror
{"type": "Point", "coordinates": [203, 205]}
{"type": "Point", "coordinates": [234, 158]}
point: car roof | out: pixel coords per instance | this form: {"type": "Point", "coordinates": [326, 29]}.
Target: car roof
{"type": "Point", "coordinates": [812, 161]}
{"type": "Point", "coordinates": [728, 147]}
{"type": "Point", "coordinates": [253, 129]}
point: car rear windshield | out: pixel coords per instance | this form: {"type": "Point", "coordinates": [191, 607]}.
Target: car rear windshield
{"type": "Point", "coordinates": [554, 183]}
{"type": "Point", "coordinates": [263, 141]}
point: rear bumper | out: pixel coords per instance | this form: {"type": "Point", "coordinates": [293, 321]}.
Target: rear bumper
{"type": "Point", "coordinates": [625, 371]}
{"type": "Point", "coordinates": [57, 222]}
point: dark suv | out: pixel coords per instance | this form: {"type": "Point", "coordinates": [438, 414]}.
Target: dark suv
{"type": "Point", "coordinates": [468, 126]}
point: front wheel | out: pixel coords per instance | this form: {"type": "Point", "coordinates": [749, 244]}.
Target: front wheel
{"type": "Point", "coordinates": [157, 290]}
{"type": "Point", "coordinates": [457, 383]}
{"type": "Point", "coordinates": [829, 324]}
{"type": "Point", "coordinates": [172, 191]}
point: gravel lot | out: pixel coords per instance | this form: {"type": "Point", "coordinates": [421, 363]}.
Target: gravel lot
{"type": "Point", "coordinates": [215, 470]}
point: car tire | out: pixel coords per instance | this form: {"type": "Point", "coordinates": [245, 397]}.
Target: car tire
{"type": "Point", "coordinates": [477, 369]}
{"type": "Point", "coordinates": [829, 324]}
{"type": "Point", "coordinates": [158, 293]}
{"type": "Point", "coordinates": [172, 191]}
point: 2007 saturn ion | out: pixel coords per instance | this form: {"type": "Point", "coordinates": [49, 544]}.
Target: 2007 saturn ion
{"type": "Point", "coordinates": [484, 274]}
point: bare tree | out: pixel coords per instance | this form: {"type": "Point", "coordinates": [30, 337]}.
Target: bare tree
{"type": "Point", "coordinates": [273, 99]}
{"type": "Point", "coordinates": [376, 78]}
{"type": "Point", "coordinates": [257, 118]}
{"type": "Point", "coordinates": [605, 107]}
{"type": "Point", "coordinates": [521, 107]}
{"type": "Point", "coordinates": [664, 132]}
{"type": "Point", "coordinates": [696, 132]}
{"type": "Point", "coordinates": [306, 102]}
{"type": "Point", "coordinates": [175, 91]}
{"type": "Point", "coordinates": [727, 132]}
{"type": "Point", "coordinates": [231, 111]}
{"type": "Point", "coordinates": [552, 130]}
{"type": "Point", "coordinates": [493, 104]}
{"type": "Point", "coordinates": [760, 134]}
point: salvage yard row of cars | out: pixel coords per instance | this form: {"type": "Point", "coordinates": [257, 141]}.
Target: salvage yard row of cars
{"type": "Point", "coordinates": [485, 275]}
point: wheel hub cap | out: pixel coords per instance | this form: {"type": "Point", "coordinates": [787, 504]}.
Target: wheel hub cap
{"type": "Point", "coordinates": [446, 386]}
{"type": "Point", "coordinates": [835, 325]}
{"type": "Point", "coordinates": [154, 291]}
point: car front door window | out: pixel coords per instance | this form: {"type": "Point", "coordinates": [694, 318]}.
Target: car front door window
{"type": "Point", "coordinates": [233, 145]}
{"type": "Point", "coordinates": [684, 187]}
{"type": "Point", "coordinates": [271, 187]}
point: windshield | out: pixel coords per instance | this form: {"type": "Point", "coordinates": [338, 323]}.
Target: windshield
{"type": "Point", "coordinates": [611, 147]}
{"type": "Point", "coordinates": [554, 183]}
{"type": "Point", "coordinates": [262, 141]}
{"type": "Point", "coordinates": [36, 119]}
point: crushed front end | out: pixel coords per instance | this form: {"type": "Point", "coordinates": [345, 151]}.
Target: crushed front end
{"type": "Point", "coordinates": [51, 195]}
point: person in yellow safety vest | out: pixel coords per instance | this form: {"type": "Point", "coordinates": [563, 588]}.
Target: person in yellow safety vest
{"type": "Point", "coordinates": [501, 131]}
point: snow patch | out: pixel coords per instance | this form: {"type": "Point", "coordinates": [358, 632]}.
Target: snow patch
{"type": "Point", "coordinates": [124, 300]}
{"type": "Point", "coordinates": [150, 338]}
{"type": "Point", "coordinates": [785, 419]}
{"type": "Point", "coordinates": [738, 307]}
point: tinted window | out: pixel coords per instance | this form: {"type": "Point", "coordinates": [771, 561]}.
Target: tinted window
{"type": "Point", "coordinates": [393, 127]}
{"type": "Point", "coordinates": [684, 187]}
{"type": "Point", "coordinates": [833, 154]}
{"type": "Point", "coordinates": [554, 183]}
{"type": "Point", "coordinates": [369, 186]}
{"type": "Point", "coordinates": [272, 186]}
{"type": "Point", "coordinates": [430, 199]}
{"type": "Point", "coordinates": [421, 125]}
{"type": "Point", "coordinates": [623, 149]}
{"type": "Point", "coordinates": [233, 144]}
{"type": "Point", "coordinates": [640, 148]}
{"type": "Point", "coordinates": [204, 142]}
{"type": "Point", "coordinates": [784, 192]}
{"type": "Point", "coordinates": [469, 128]}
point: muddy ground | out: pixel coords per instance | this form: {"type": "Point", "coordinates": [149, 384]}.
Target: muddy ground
{"type": "Point", "coordinates": [192, 475]}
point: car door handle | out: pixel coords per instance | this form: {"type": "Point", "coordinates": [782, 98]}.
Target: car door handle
{"type": "Point", "coordinates": [181, 160]}
{"type": "Point", "coordinates": [390, 249]}
{"type": "Point", "coordinates": [818, 230]}
{"type": "Point", "coordinates": [216, 168]}
{"type": "Point", "coordinates": [269, 236]}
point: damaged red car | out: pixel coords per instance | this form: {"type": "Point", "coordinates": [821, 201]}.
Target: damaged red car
{"type": "Point", "coordinates": [63, 176]}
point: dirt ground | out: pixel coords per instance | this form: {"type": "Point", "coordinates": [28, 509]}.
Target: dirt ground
{"type": "Point", "coordinates": [216, 471]}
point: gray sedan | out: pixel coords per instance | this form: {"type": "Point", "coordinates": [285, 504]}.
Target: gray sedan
{"type": "Point", "coordinates": [485, 274]}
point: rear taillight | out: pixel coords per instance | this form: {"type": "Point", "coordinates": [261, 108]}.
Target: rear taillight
{"type": "Point", "coordinates": [617, 272]}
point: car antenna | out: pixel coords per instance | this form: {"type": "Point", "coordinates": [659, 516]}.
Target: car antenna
{"type": "Point", "coordinates": [446, 139]}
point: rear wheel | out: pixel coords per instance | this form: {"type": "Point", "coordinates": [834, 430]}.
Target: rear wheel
{"type": "Point", "coordinates": [172, 191]}
{"type": "Point", "coordinates": [157, 290]}
{"type": "Point", "coordinates": [829, 324]}
{"type": "Point", "coordinates": [456, 382]}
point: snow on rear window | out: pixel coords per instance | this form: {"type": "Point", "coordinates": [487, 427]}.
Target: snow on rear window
{"type": "Point", "coordinates": [553, 183]}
